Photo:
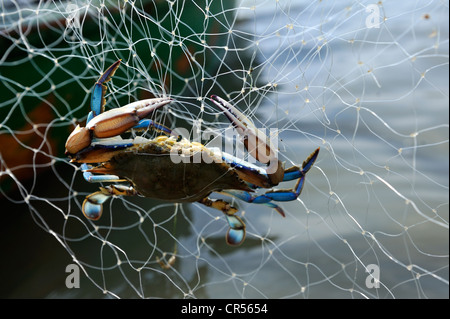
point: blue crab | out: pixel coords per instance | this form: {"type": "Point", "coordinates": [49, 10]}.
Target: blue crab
{"type": "Point", "coordinates": [148, 169]}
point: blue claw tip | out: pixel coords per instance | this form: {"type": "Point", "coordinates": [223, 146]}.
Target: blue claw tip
{"type": "Point", "coordinates": [235, 236]}
{"type": "Point", "coordinates": [308, 163]}
{"type": "Point", "coordinates": [92, 211]}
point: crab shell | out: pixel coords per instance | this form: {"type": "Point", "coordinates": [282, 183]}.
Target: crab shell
{"type": "Point", "coordinates": [154, 171]}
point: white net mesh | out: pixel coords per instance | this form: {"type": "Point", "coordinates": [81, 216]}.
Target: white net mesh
{"type": "Point", "coordinates": [367, 82]}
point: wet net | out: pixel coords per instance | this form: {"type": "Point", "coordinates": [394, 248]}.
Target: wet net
{"type": "Point", "coordinates": [366, 82]}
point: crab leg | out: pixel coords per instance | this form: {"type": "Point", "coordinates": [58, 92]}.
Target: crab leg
{"type": "Point", "coordinates": [255, 141]}
{"type": "Point", "coordinates": [149, 124]}
{"type": "Point", "coordinates": [236, 233]}
{"type": "Point", "coordinates": [267, 198]}
{"type": "Point", "coordinates": [91, 178]}
{"type": "Point", "coordinates": [99, 90]}
{"type": "Point", "coordinates": [290, 174]}
{"type": "Point", "coordinates": [93, 204]}
{"type": "Point", "coordinates": [283, 195]}
{"type": "Point", "coordinates": [249, 198]}
{"type": "Point", "coordinates": [295, 172]}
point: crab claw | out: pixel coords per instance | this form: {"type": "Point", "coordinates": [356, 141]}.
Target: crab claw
{"type": "Point", "coordinates": [99, 90]}
{"type": "Point", "coordinates": [79, 139]}
{"type": "Point", "coordinates": [119, 120]}
{"type": "Point", "coordinates": [255, 141]}
{"type": "Point", "coordinates": [111, 123]}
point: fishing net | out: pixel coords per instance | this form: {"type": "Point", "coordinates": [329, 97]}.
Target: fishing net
{"type": "Point", "coordinates": [366, 82]}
